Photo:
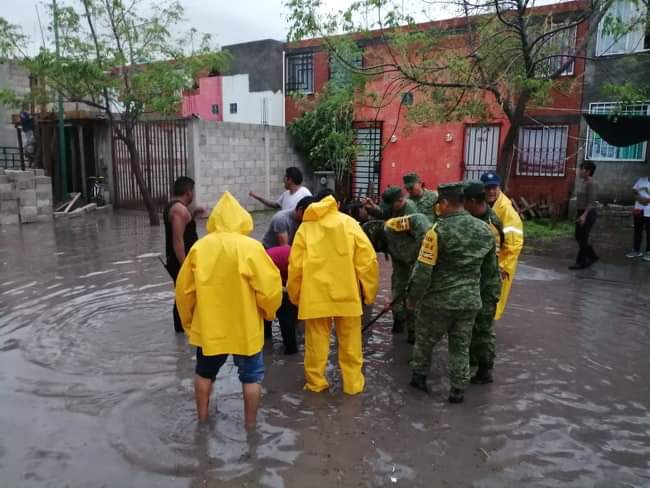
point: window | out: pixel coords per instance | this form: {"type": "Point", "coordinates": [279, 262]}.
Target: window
{"type": "Point", "coordinates": [407, 99]}
{"type": "Point", "coordinates": [340, 71]}
{"type": "Point", "coordinates": [300, 73]}
{"type": "Point", "coordinates": [542, 150]}
{"type": "Point", "coordinates": [624, 29]}
{"type": "Point", "coordinates": [233, 108]}
{"type": "Point", "coordinates": [215, 109]}
{"type": "Point", "coordinates": [556, 50]}
{"type": "Point", "coordinates": [599, 150]}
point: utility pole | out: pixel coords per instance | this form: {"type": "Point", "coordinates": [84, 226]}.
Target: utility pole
{"type": "Point", "coordinates": [63, 170]}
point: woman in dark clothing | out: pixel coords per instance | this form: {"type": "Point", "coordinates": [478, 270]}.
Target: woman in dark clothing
{"type": "Point", "coordinates": [586, 205]}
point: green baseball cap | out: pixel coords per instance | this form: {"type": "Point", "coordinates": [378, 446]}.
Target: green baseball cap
{"type": "Point", "coordinates": [451, 190]}
{"type": "Point", "coordinates": [474, 189]}
{"type": "Point", "coordinates": [410, 179]}
{"type": "Point", "coordinates": [391, 195]}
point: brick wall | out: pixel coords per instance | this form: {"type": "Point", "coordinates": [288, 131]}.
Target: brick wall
{"type": "Point", "coordinates": [235, 157]}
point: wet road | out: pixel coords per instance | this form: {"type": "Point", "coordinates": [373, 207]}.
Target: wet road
{"type": "Point", "coordinates": [97, 390]}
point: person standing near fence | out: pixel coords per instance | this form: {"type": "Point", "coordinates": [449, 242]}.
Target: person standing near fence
{"type": "Point", "coordinates": [180, 231]}
{"type": "Point", "coordinates": [586, 216]}
{"type": "Point", "coordinates": [641, 215]}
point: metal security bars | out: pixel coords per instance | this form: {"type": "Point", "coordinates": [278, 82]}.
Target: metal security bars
{"type": "Point", "coordinates": [599, 150]}
{"type": "Point", "coordinates": [542, 150]}
{"type": "Point", "coordinates": [366, 169]}
{"type": "Point", "coordinates": [300, 73]}
{"type": "Point", "coordinates": [162, 146]}
{"type": "Point", "coordinates": [481, 150]}
{"type": "Point", "coordinates": [11, 158]}
{"type": "Point", "coordinates": [558, 49]}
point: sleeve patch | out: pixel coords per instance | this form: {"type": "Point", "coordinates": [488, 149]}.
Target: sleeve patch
{"type": "Point", "coordinates": [429, 250]}
{"type": "Point", "coordinates": [399, 224]}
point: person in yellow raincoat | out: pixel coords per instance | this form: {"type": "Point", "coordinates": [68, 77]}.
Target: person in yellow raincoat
{"type": "Point", "coordinates": [226, 288]}
{"type": "Point", "coordinates": [513, 235]}
{"type": "Point", "coordinates": [331, 266]}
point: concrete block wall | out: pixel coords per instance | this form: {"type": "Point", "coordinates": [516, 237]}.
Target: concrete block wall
{"type": "Point", "coordinates": [14, 78]}
{"type": "Point", "coordinates": [25, 197]}
{"type": "Point", "coordinates": [239, 158]}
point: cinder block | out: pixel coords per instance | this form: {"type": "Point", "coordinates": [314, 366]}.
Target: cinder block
{"type": "Point", "coordinates": [9, 207]}
{"type": "Point", "coordinates": [39, 172]}
{"type": "Point", "coordinates": [2, 171]}
{"type": "Point", "coordinates": [26, 184]}
{"type": "Point", "coordinates": [27, 198]}
{"type": "Point", "coordinates": [28, 211]}
{"type": "Point", "coordinates": [4, 179]}
{"type": "Point", "coordinates": [43, 195]}
{"type": "Point", "coordinates": [44, 218]}
{"type": "Point", "coordinates": [9, 219]}
{"type": "Point", "coordinates": [8, 195]}
{"type": "Point", "coordinates": [7, 187]}
{"type": "Point", "coordinates": [43, 180]}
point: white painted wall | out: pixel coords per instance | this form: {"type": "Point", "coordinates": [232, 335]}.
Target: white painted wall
{"type": "Point", "coordinates": [249, 104]}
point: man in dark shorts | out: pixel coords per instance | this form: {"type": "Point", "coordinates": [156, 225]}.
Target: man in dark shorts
{"type": "Point", "coordinates": [226, 288]}
{"type": "Point", "coordinates": [180, 230]}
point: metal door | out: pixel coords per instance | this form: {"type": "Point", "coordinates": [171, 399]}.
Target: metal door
{"type": "Point", "coordinates": [481, 150]}
{"type": "Point", "coordinates": [366, 170]}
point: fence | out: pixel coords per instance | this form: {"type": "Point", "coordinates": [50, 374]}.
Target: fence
{"type": "Point", "coordinates": [162, 146]}
{"type": "Point", "coordinates": [11, 158]}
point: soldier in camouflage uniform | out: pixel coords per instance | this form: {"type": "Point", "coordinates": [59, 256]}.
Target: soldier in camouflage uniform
{"type": "Point", "coordinates": [445, 285]}
{"type": "Point", "coordinates": [394, 204]}
{"type": "Point", "coordinates": [424, 199]}
{"type": "Point", "coordinates": [404, 238]}
{"type": "Point", "coordinates": [483, 345]}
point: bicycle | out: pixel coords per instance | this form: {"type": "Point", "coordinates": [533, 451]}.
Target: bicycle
{"type": "Point", "coordinates": [97, 191]}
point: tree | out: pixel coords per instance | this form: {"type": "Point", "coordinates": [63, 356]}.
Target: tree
{"type": "Point", "coordinates": [500, 56]}
{"type": "Point", "coordinates": [324, 135]}
{"type": "Point", "coordinates": [121, 58]}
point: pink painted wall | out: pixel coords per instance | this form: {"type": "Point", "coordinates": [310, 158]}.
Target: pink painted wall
{"type": "Point", "coordinates": [200, 101]}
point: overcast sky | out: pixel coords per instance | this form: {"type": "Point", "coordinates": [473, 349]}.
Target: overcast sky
{"type": "Point", "coordinates": [230, 21]}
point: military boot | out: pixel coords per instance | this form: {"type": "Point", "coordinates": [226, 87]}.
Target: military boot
{"type": "Point", "coordinates": [483, 376]}
{"type": "Point", "coordinates": [419, 381]}
{"type": "Point", "coordinates": [456, 395]}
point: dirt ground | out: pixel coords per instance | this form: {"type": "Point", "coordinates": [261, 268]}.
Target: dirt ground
{"type": "Point", "coordinates": [97, 389]}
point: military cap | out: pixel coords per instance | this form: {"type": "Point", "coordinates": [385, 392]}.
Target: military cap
{"type": "Point", "coordinates": [474, 189]}
{"type": "Point", "coordinates": [491, 179]}
{"type": "Point", "coordinates": [391, 194]}
{"type": "Point", "coordinates": [410, 179]}
{"type": "Point", "coordinates": [450, 190]}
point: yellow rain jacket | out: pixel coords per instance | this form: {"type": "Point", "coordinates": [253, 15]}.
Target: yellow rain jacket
{"type": "Point", "coordinates": [337, 260]}
{"type": "Point", "coordinates": [513, 242]}
{"type": "Point", "coordinates": [227, 285]}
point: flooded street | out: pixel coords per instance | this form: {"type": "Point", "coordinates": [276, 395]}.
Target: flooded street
{"type": "Point", "coordinates": [97, 389]}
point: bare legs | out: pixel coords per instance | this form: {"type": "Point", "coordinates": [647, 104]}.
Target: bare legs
{"type": "Point", "coordinates": [252, 397]}
{"type": "Point", "coordinates": [202, 391]}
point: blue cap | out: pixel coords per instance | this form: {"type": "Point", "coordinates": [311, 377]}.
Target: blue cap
{"type": "Point", "coordinates": [491, 179]}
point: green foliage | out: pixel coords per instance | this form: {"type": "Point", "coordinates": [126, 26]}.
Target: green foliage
{"type": "Point", "coordinates": [324, 136]}
{"type": "Point", "coordinates": [117, 56]}
{"type": "Point", "coordinates": [547, 229]}
{"type": "Point", "coordinates": [627, 93]}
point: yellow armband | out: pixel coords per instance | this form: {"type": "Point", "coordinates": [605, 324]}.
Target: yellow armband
{"type": "Point", "coordinates": [398, 224]}
{"type": "Point", "coordinates": [429, 250]}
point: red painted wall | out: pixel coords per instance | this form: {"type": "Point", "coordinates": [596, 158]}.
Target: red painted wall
{"type": "Point", "coordinates": [200, 101]}
{"type": "Point", "coordinates": [436, 152]}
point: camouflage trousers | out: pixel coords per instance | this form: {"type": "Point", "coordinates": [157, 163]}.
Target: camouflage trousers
{"type": "Point", "coordinates": [399, 282]}
{"type": "Point", "coordinates": [432, 325]}
{"type": "Point", "coordinates": [483, 345]}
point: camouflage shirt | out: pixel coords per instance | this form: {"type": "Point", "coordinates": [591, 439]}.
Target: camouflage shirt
{"type": "Point", "coordinates": [491, 279]}
{"type": "Point", "coordinates": [384, 212]}
{"type": "Point", "coordinates": [426, 203]}
{"type": "Point", "coordinates": [404, 236]}
{"type": "Point", "coordinates": [455, 253]}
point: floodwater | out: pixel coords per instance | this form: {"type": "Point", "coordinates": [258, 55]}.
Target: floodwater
{"type": "Point", "coordinates": [97, 389]}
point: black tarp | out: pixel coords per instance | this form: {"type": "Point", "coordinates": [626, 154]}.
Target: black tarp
{"type": "Point", "coordinates": [620, 130]}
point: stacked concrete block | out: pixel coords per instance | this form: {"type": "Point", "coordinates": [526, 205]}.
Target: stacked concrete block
{"type": "Point", "coordinates": [25, 197]}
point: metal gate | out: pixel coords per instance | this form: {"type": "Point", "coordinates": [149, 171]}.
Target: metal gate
{"type": "Point", "coordinates": [481, 150]}
{"type": "Point", "coordinates": [162, 145]}
{"type": "Point", "coordinates": [366, 169]}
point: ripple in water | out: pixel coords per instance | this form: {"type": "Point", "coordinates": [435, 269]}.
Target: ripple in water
{"type": "Point", "coordinates": [108, 331]}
